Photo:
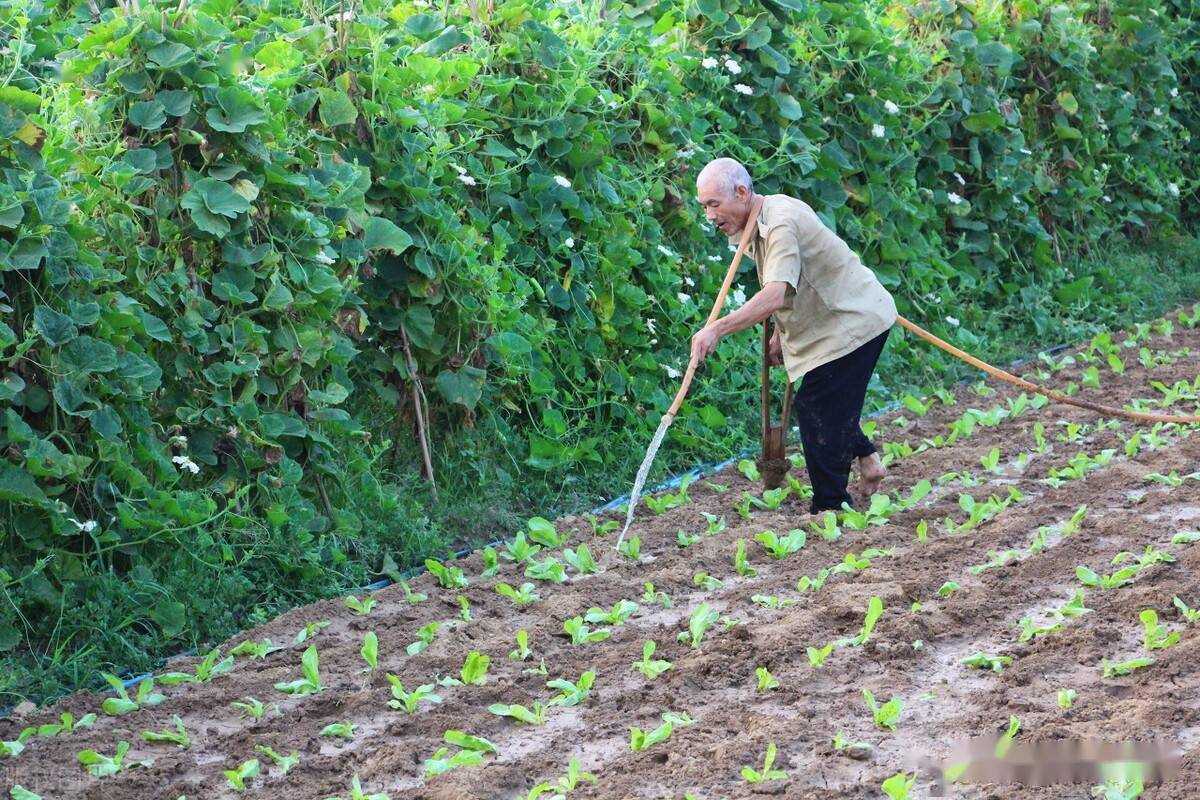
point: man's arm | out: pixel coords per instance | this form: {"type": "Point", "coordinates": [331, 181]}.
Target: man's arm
{"type": "Point", "coordinates": [773, 297]}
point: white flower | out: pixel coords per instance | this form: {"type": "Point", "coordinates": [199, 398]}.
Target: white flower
{"type": "Point", "coordinates": [186, 463]}
{"type": "Point", "coordinates": [461, 170]}
{"type": "Point", "coordinates": [891, 59]}
{"type": "Point", "coordinates": [1174, 92]}
{"type": "Point", "coordinates": [561, 181]}
{"type": "Point", "coordinates": [733, 66]}
{"type": "Point", "coordinates": [1026, 152]}
{"type": "Point", "coordinates": [613, 104]}
{"type": "Point", "coordinates": [737, 297]}
{"type": "Point", "coordinates": [1106, 199]}
{"type": "Point", "coordinates": [467, 179]}
{"type": "Point", "coordinates": [709, 63]}
{"type": "Point", "coordinates": [742, 88]}
{"type": "Point", "coordinates": [666, 251]}
{"type": "Point", "coordinates": [714, 258]}
{"type": "Point", "coordinates": [953, 198]}
{"type": "Point", "coordinates": [570, 242]}
{"type": "Point", "coordinates": [650, 325]}
{"type": "Point", "coordinates": [960, 179]}
{"type": "Point", "coordinates": [688, 281]}
{"type": "Point", "coordinates": [1173, 189]}
{"type": "Point", "coordinates": [1158, 112]}
{"type": "Point", "coordinates": [952, 321]}
{"type": "Point", "coordinates": [179, 440]}
{"type": "Point", "coordinates": [671, 371]}
{"type": "Point", "coordinates": [648, 201]}
{"type": "Point", "coordinates": [85, 527]}
{"type": "Point", "coordinates": [878, 131]}
{"type": "Point", "coordinates": [891, 107]}
{"type": "Point", "coordinates": [684, 297]}
{"type": "Point", "coordinates": [321, 258]}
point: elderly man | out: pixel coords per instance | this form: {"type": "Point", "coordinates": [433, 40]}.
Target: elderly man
{"type": "Point", "coordinates": [832, 317]}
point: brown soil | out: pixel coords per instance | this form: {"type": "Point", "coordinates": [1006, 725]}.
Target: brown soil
{"type": "Point", "coordinates": [715, 684]}
{"type": "Point", "coordinates": [773, 471]}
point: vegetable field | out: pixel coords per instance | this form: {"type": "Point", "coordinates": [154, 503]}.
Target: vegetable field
{"type": "Point", "coordinates": [1028, 571]}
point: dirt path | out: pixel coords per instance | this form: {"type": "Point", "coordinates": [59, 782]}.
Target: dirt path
{"type": "Point", "coordinates": [913, 652]}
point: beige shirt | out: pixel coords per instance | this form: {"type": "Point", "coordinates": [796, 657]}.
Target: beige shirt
{"type": "Point", "coordinates": [837, 303]}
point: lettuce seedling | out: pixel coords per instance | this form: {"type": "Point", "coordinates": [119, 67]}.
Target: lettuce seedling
{"type": "Point", "coordinates": [702, 619]}
{"type": "Point", "coordinates": [740, 565]}
{"type": "Point", "coordinates": [522, 597]}
{"type": "Point", "coordinates": [898, 786]}
{"type": "Point", "coordinates": [66, 724]}
{"type": "Point", "coordinates": [719, 488]}
{"type": "Point", "coordinates": [749, 469]}
{"type": "Point", "coordinates": [408, 701]}
{"type": "Point", "coordinates": [1186, 537]}
{"type": "Point", "coordinates": [259, 650]}
{"type": "Point", "coordinates": [1029, 630]}
{"type": "Point", "coordinates": [1074, 607]}
{"type": "Point", "coordinates": [212, 666]}
{"type": "Point", "coordinates": [1120, 787]}
{"type": "Point", "coordinates": [551, 569]}
{"type": "Point", "coordinates": [16, 746]}
{"type": "Point", "coordinates": [765, 679]}
{"type": "Point", "coordinates": [621, 611]}
{"type": "Point", "coordinates": [660, 597]}
{"type": "Point", "coordinates": [995, 560]}
{"type": "Point", "coordinates": [1154, 635]}
{"type": "Point", "coordinates": [852, 563]}
{"type": "Point", "coordinates": [449, 576]}
{"type": "Point", "coordinates": [919, 492]}
{"type": "Point", "coordinates": [343, 730]}
{"type": "Point", "coordinates": [179, 736]}
{"type": "Point", "coordinates": [985, 661]}
{"type": "Point", "coordinates": [581, 559]}
{"type": "Point", "coordinates": [684, 539]}
{"type": "Point", "coordinates": [540, 669]}
{"type": "Point", "coordinates": [357, 793]}
{"type": "Point", "coordinates": [571, 693]}
{"type": "Point", "coordinates": [253, 708]}
{"type": "Point", "coordinates": [828, 529]}
{"type": "Point", "coordinates": [743, 506]}
{"type": "Point", "coordinates": [991, 462]}
{"type": "Point", "coordinates": [805, 583]}
{"type": "Point", "coordinates": [640, 739]}
{"type": "Point", "coordinates": [781, 546]}
{"type": "Point", "coordinates": [649, 666]}
{"type": "Point", "coordinates": [1189, 614]}
{"type": "Point", "coordinates": [840, 742]}
{"type": "Point", "coordinates": [1116, 669]}
{"type": "Point", "coordinates": [580, 634]}
{"type": "Point", "coordinates": [360, 607]}
{"type": "Point", "coordinates": [102, 766]}
{"type": "Point", "coordinates": [522, 652]}
{"type": "Point", "coordinates": [519, 550]}
{"type": "Point", "coordinates": [767, 774]}
{"type": "Point", "coordinates": [886, 716]}
{"type": "Point", "coordinates": [601, 528]}
{"type": "Point", "coordinates": [773, 602]}
{"type": "Point", "coordinates": [914, 404]}
{"type": "Point", "coordinates": [1149, 558]}
{"type": "Point", "coordinates": [411, 597]}
{"type": "Point", "coordinates": [877, 513]}
{"type": "Point", "coordinates": [370, 651]}
{"type": "Point", "coordinates": [124, 704]}
{"type": "Point", "coordinates": [1116, 580]}
{"type": "Point", "coordinates": [464, 608]}
{"type": "Point", "coordinates": [424, 638]}
{"type": "Point", "coordinates": [946, 589]}
{"type": "Point", "coordinates": [669, 501]}
{"type": "Point", "coordinates": [706, 582]}
{"type": "Point", "coordinates": [237, 778]}
{"type": "Point", "coordinates": [574, 775]}
{"type": "Point", "coordinates": [491, 562]}
{"type": "Point", "coordinates": [284, 763]}
{"type": "Point", "coordinates": [543, 532]}
{"type": "Point", "coordinates": [311, 682]}
{"type": "Point", "coordinates": [716, 523]}
{"type": "Point", "coordinates": [1066, 698]}
{"type": "Point", "coordinates": [474, 669]}
{"type": "Point", "coordinates": [530, 716]}
{"type": "Point", "coordinates": [631, 548]}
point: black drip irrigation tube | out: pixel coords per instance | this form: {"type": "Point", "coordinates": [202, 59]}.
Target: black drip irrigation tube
{"type": "Point", "coordinates": [671, 483]}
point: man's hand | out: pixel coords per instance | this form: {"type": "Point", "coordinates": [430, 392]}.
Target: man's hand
{"type": "Point", "coordinates": [775, 350]}
{"type": "Point", "coordinates": [704, 341]}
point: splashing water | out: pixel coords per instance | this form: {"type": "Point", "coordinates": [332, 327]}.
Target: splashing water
{"type": "Point", "coordinates": [644, 470]}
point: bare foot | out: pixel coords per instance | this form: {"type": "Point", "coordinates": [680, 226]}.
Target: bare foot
{"type": "Point", "coordinates": [871, 473]}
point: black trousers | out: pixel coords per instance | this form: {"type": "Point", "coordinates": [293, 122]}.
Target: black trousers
{"type": "Point", "coordinates": [827, 408]}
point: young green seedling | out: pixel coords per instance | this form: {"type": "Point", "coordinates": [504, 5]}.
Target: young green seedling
{"type": "Point", "coordinates": [342, 730]}
{"type": "Point", "coordinates": [946, 589]}
{"type": "Point", "coordinates": [211, 666]}
{"type": "Point", "coordinates": [765, 679]}
{"type": "Point", "coordinates": [817, 655]}
{"type": "Point", "coordinates": [740, 565]}
{"type": "Point", "coordinates": [580, 634]}
{"type": "Point", "coordinates": [781, 546]}
{"type": "Point", "coordinates": [828, 529]}
{"type": "Point", "coordinates": [1156, 636]}
{"type": "Point", "coordinates": [766, 774]}
{"type": "Point", "coordinates": [550, 569]}
{"type": "Point", "coordinates": [1113, 669]}
{"type": "Point", "coordinates": [985, 661]}
{"type": "Point", "coordinates": [66, 724]}
{"type": "Point", "coordinates": [650, 666]}
{"type": "Point", "coordinates": [464, 608]}
{"type": "Point", "coordinates": [259, 650]}
{"type": "Point", "coordinates": [1189, 614]}
{"type": "Point", "coordinates": [706, 582]}
{"type": "Point", "coordinates": [874, 612]}
{"type": "Point", "coordinates": [640, 740]}
{"type": "Point", "coordinates": [1186, 537]}
{"type": "Point", "coordinates": [995, 560]}
{"type": "Point", "coordinates": [408, 701]}
{"type": "Point", "coordinates": [877, 513]}
{"type": "Point", "coordinates": [543, 532]}
{"type": "Point", "coordinates": [179, 736]}
{"type": "Point", "coordinates": [1029, 630]}
{"type": "Point", "coordinates": [357, 793]}
{"type": "Point", "coordinates": [411, 597]}
{"type": "Point", "coordinates": [749, 469]}
{"type": "Point", "coordinates": [424, 638]}
{"type": "Point", "coordinates": [522, 597]}
{"type": "Point", "coordinates": [370, 651]}
{"type": "Point", "coordinates": [474, 669]}
{"type": "Point", "coordinates": [311, 682]}
{"type": "Point", "coordinates": [773, 602]}
{"type": "Point", "coordinates": [601, 528]}
{"type": "Point", "coordinates": [124, 704]}
{"type": "Point", "coordinates": [571, 693]}
{"type": "Point", "coordinates": [360, 607]}
{"type": "Point", "coordinates": [840, 742]}
{"type": "Point", "coordinates": [716, 523]}
{"type": "Point", "coordinates": [522, 653]}
{"type": "Point", "coordinates": [449, 576]}
{"type": "Point", "coordinates": [1148, 558]}
{"type": "Point", "coordinates": [530, 716]}
{"type": "Point", "coordinates": [631, 548]}
{"type": "Point", "coordinates": [660, 597]}
{"type": "Point", "coordinates": [1116, 580]}
{"type": "Point", "coordinates": [805, 583]}
{"type": "Point", "coordinates": [237, 778]}
{"type": "Point", "coordinates": [574, 776]}
{"type": "Point", "coordinates": [684, 539]}
{"type": "Point", "coordinates": [491, 562]}
{"type": "Point", "coordinates": [886, 716]}
{"type": "Point", "coordinates": [252, 708]}
{"type": "Point", "coordinates": [620, 613]}
{"type": "Point", "coordinates": [719, 488]}
{"type": "Point", "coordinates": [581, 560]}
{"type": "Point", "coordinates": [898, 786]}
{"type": "Point", "coordinates": [702, 619]}
{"type": "Point", "coordinates": [1066, 698]}
{"type": "Point", "coordinates": [519, 550]}
{"type": "Point", "coordinates": [284, 763]}
{"type": "Point", "coordinates": [102, 766]}
{"type": "Point", "coordinates": [668, 501]}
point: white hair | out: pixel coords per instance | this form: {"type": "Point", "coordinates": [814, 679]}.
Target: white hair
{"type": "Point", "coordinates": [727, 174]}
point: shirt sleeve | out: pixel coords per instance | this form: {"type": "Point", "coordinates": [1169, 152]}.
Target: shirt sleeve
{"type": "Point", "coordinates": [781, 261]}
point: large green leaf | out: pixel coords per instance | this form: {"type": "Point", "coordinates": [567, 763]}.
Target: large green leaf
{"type": "Point", "coordinates": [54, 327]}
{"type": "Point", "coordinates": [85, 354]}
{"type": "Point", "coordinates": [336, 108]}
{"type": "Point", "coordinates": [463, 387]}
{"type": "Point", "coordinates": [236, 110]}
{"type": "Point", "coordinates": [17, 486]}
{"type": "Point", "coordinates": [383, 234]}
{"type": "Point", "coordinates": [147, 114]}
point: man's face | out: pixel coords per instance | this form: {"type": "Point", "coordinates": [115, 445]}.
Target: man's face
{"type": "Point", "coordinates": [726, 212]}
